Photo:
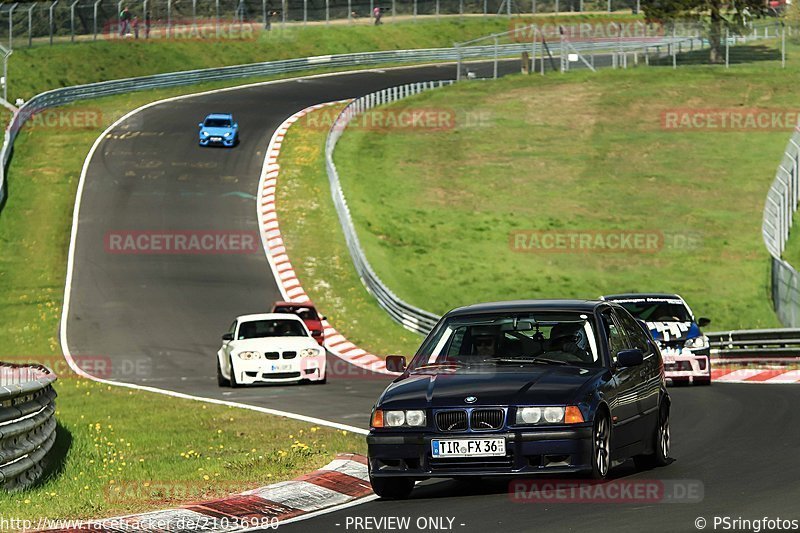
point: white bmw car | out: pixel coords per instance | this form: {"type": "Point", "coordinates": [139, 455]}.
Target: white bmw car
{"type": "Point", "coordinates": [269, 348]}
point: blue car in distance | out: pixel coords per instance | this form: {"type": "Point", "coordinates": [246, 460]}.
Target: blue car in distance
{"type": "Point", "coordinates": [219, 129]}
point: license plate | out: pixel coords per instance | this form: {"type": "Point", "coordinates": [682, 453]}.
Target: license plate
{"type": "Point", "coordinates": [281, 368]}
{"type": "Point", "coordinates": [216, 139]}
{"type": "Point", "coordinates": [468, 447]}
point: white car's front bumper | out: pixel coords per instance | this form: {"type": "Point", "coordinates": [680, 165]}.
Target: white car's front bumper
{"type": "Point", "coordinates": [685, 366]}
{"type": "Point", "coordinates": [279, 371]}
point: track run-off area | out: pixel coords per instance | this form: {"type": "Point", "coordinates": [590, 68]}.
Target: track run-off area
{"type": "Point", "coordinates": [158, 318]}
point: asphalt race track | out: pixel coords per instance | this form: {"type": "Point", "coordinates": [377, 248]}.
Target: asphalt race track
{"type": "Point", "coordinates": [157, 319]}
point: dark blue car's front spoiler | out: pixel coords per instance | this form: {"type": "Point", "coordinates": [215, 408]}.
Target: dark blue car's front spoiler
{"type": "Point", "coordinates": [529, 451]}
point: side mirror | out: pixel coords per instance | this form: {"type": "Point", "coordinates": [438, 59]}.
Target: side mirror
{"type": "Point", "coordinates": [235, 124]}
{"type": "Point", "coordinates": [703, 322]}
{"type": "Point", "coordinates": [627, 358]}
{"type": "Point", "coordinates": [395, 363]}
{"type": "Point", "coordinates": [200, 125]}
{"type": "Point", "coordinates": [227, 337]}
{"type": "Point", "coordinates": [323, 317]}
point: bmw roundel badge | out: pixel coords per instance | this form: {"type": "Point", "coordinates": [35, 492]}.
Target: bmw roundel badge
{"type": "Point", "coordinates": [470, 399]}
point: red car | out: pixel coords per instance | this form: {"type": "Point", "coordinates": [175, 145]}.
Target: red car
{"type": "Point", "coordinates": [308, 313]}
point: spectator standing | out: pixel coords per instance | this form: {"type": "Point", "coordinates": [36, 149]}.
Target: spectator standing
{"type": "Point", "coordinates": [135, 26]}
{"type": "Point", "coordinates": [124, 21]}
{"type": "Point", "coordinates": [377, 14]}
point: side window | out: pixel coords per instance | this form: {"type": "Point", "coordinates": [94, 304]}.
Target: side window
{"type": "Point", "coordinates": [616, 338]}
{"type": "Point", "coordinates": [232, 329]}
{"type": "Point", "coordinates": [634, 331]}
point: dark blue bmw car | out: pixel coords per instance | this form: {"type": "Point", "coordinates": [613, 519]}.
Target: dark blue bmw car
{"type": "Point", "coordinates": [521, 388]}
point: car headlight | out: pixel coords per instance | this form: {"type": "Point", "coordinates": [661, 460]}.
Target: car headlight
{"type": "Point", "coordinates": [310, 352]}
{"type": "Point", "coordinates": [226, 134]}
{"type": "Point", "coordinates": [569, 414]}
{"type": "Point", "coordinates": [395, 418]}
{"type": "Point", "coordinates": [697, 343]}
{"type": "Point", "coordinates": [249, 356]}
{"type": "Point", "coordinates": [410, 418]}
{"type": "Point", "coordinates": [204, 133]}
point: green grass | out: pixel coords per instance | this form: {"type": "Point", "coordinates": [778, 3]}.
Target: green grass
{"type": "Point", "coordinates": [34, 240]}
{"type": "Point", "coordinates": [33, 70]}
{"type": "Point", "coordinates": [316, 245]}
{"type": "Point", "coordinates": [113, 465]}
{"type": "Point", "coordinates": [577, 152]}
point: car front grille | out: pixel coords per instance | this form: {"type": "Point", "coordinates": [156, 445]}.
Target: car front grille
{"type": "Point", "coordinates": [486, 419]}
{"type": "Point", "coordinates": [281, 375]}
{"type": "Point", "coordinates": [452, 420]}
{"type": "Point", "coordinates": [271, 355]}
{"type": "Point", "coordinates": [289, 355]}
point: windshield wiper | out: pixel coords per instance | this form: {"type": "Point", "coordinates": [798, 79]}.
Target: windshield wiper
{"type": "Point", "coordinates": [544, 360]}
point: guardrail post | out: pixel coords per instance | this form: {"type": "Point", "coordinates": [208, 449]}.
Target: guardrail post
{"type": "Point", "coordinates": [96, 4]}
{"type": "Point", "coordinates": [394, 9]}
{"type": "Point", "coordinates": [194, 14]}
{"type": "Point", "coordinates": [461, 8]}
{"type": "Point", "coordinates": [415, 10]}
{"type": "Point", "coordinates": [495, 57]}
{"type": "Point", "coordinates": [284, 9]}
{"type": "Point", "coordinates": [30, 25]}
{"type": "Point", "coordinates": [52, 6]}
{"type": "Point", "coordinates": [216, 18]}
{"type": "Point", "coordinates": [350, 11]}
{"type": "Point", "coordinates": [305, 12]}
{"type": "Point", "coordinates": [485, 7]}
{"type": "Point", "coordinates": [437, 9]}
{"type": "Point", "coordinates": [72, 20]}
{"type": "Point", "coordinates": [169, 19]}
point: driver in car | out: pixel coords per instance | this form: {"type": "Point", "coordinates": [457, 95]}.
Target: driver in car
{"type": "Point", "coordinates": [570, 338]}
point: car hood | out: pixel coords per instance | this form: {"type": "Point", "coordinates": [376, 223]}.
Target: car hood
{"type": "Point", "coordinates": [271, 344]}
{"type": "Point", "coordinates": [546, 385]}
{"type": "Point", "coordinates": [673, 331]}
{"type": "Point", "coordinates": [216, 131]}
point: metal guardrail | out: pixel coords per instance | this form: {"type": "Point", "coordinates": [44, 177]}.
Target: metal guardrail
{"type": "Point", "coordinates": [27, 423]}
{"type": "Point", "coordinates": [761, 345]}
{"type": "Point", "coordinates": [412, 318]}
{"type": "Point", "coordinates": [779, 209]}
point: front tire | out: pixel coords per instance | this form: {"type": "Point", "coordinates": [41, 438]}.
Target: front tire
{"type": "Point", "coordinates": [662, 440]}
{"type": "Point", "coordinates": [392, 488]}
{"type": "Point", "coordinates": [234, 384]}
{"type": "Point", "coordinates": [221, 381]}
{"type": "Point", "coordinates": [601, 446]}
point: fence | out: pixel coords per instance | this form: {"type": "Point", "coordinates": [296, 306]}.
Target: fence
{"type": "Point", "coordinates": [29, 23]}
{"type": "Point", "coordinates": [27, 423]}
{"type": "Point", "coordinates": [779, 209]}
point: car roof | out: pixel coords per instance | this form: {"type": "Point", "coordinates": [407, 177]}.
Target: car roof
{"type": "Point", "coordinates": [294, 304]}
{"type": "Point", "coordinates": [268, 316]}
{"type": "Point", "coordinates": [219, 115]}
{"type": "Point", "coordinates": [585, 306]}
{"type": "Point", "coordinates": [635, 295]}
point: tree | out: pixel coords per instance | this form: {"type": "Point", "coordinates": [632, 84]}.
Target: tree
{"type": "Point", "coordinates": [714, 15]}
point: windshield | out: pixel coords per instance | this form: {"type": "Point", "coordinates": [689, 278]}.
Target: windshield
{"type": "Point", "coordinates": [257, 329]}
{"type": "Point", "coordinates": [217, 123]}
{"type": "Point", "coordinates": [509, 340]}
{"type": "Point", "coordinates": [657, 309]}
{"type": "Point", "coordinates": [306, 313]}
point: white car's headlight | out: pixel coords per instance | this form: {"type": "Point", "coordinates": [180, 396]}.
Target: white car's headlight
{"type": "Point", "coordinates": [249, 356]}
{"type": "Point", "coordinates": [415, 418]}
{"type": "Point", "coordinates": [310, 352]}
{"type": "Point", "coordinates": [697, 343]}
{"type": "Point", "coordinates": [395, 418]}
